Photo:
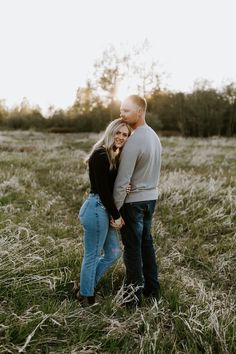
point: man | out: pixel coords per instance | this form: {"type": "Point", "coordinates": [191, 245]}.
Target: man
{"type": "Point", "coordinates": [140, 167]}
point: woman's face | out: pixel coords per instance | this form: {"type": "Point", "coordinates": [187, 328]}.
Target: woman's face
{"type": "Point", "coordinates": [121, 136]}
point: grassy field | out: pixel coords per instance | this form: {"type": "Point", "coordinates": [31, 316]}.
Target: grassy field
{"type": "Point", "coordinates": [43, 182]}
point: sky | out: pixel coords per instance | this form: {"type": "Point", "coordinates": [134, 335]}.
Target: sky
{"type": "Point", "coordinates": [48, 47]}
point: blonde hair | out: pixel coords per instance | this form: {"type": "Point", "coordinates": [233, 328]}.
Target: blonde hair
{"type": "Point", "coordinates": [107, 141]}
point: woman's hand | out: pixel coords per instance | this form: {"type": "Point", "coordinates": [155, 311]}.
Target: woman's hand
{"type": "Point", "coordinates": [128, 189]}
{"type": "Point", "coordinates": [118, 223]}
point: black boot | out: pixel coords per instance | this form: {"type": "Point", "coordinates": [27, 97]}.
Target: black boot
{"type": "Point", "coordinates": [153, 295]}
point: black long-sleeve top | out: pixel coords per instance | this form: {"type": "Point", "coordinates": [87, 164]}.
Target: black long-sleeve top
{"type": "Point", "coordinates": [102, 180]}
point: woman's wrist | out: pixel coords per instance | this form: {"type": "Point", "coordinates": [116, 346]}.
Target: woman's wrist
{"type": "Point", "coordinates": [118, 221]}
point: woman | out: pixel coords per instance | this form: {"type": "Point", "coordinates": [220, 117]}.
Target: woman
{"type": "Point", "coordinates": [99, 209]}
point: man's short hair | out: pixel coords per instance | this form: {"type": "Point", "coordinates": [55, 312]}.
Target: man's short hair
{"type": "Point", "coordinates": [140, 101]}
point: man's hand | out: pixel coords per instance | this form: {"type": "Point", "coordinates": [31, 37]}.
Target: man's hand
{"type": "Point", "coordinates": [118, 223]}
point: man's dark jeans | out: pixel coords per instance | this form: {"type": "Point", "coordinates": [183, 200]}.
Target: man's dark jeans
{"type": "Point", "coordinates": [139, 253]}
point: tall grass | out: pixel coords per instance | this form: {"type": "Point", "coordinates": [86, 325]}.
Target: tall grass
{"type": "Point", "coordinates": [43, 182]}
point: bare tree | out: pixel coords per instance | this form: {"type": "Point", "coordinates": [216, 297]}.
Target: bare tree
{"type": "Point", "coordinates": [109, 70]}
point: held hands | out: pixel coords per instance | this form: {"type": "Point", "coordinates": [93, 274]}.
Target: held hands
{"type": "Point", "coordinates": [118, 223]}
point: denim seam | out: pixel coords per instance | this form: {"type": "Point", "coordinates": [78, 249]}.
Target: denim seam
{"type": "Point", "coordinates": [92, 283]}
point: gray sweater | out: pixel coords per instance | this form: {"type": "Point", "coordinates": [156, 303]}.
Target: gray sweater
{"type": "Point", "coordinates": [140, 165]}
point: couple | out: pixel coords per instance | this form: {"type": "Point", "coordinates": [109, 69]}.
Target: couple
{"type": "Point", "coordinates": [124, 169]}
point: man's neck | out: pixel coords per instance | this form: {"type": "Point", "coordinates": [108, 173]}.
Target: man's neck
{"type": "Point", "coordinates": [139, 124]}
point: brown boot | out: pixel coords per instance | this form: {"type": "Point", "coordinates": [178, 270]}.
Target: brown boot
{"type": "Point", "coordinates": [86, 301]}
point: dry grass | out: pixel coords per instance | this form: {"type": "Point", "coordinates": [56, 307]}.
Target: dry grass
{"type": "Point", "coordinates": [43, 182]}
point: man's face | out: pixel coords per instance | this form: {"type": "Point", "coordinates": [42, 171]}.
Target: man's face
{"type": "Point", "coordinates": [130, 112]}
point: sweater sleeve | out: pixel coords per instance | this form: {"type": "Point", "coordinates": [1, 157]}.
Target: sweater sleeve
{"type": "Point", "coordinates": [128, 161]}
{"type": "Point", "coordinates": [100, 168]}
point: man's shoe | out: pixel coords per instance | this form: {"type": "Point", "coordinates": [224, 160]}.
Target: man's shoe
{"type": "Point", "coordinates": [153, 295]}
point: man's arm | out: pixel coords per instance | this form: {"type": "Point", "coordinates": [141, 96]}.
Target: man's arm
{"type": "Point", "coordinates": [128, 161]}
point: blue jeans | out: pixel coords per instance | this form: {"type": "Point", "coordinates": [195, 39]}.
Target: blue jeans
{"type": "Point", "coordinates": [101, 244]}
{"type": "Point", "coordinates": [139, 253]}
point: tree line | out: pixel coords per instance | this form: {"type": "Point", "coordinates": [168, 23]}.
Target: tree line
{"type": "Point", "coordinates": [206, 111]}
{"type": "Point", "coordinates": [201, 113]}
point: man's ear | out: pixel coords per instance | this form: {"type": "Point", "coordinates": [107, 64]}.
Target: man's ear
{"type": "Point", "coordinates": [140, 111]}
